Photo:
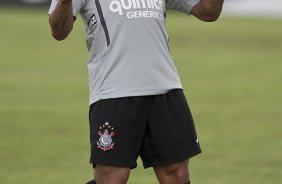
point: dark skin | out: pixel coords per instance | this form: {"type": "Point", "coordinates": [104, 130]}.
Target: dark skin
{"type": "Point", "coordinates": [61, 21]}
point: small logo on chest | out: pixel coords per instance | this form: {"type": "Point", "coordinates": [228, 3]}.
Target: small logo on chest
{"type": "Point", "coordinates": [92, 21]}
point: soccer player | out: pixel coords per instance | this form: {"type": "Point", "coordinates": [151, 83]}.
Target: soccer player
{"type": "Point", "coordinates": [137, 105]}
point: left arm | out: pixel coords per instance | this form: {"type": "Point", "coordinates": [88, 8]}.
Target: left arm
{"type": "Point", "coordinates": [208, 10]}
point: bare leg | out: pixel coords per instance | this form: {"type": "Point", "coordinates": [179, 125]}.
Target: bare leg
{"type": "Point", "coordinates": [176, 173]}
{"type": "Point", "coordinates": [110, 174]}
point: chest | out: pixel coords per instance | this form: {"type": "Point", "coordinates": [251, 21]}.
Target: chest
{"type": "Point", "coordinates": [124, 11]}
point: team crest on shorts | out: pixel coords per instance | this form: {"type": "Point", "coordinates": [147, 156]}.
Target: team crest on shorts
{"type": "Point", "coordinates": [105, 141]}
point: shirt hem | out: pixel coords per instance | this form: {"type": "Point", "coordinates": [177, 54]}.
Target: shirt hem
{"type": "Point", "coordinates": [120, 94]}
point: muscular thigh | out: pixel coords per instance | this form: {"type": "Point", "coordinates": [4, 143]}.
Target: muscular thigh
{"type": "Point", "coordinates": [176, 173]}
{"type": "Point", "coordinates": [111, 175]}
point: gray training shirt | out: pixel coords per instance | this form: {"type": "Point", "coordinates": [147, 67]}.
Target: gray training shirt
{"type": "Point", "coordinates": [128, 46]}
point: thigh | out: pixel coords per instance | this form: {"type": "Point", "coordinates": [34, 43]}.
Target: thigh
{"type": "Point", "coordinates": [173, 173]}
{"type": "Point", "coordinates": [170, 135]}
{"type": "Point", "coordinates": [117, 128]}
{"type": "Point", "coordinates": [111, 175]}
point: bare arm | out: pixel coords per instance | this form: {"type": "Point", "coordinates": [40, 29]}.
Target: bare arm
{"type": "Point", "coordinates": [61, 19]}
{"type": "Point", "coordinates": [208, 10]}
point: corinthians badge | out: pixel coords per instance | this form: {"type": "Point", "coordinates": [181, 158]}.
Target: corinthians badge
{"type": "Point", "coordinates": [105, 141]}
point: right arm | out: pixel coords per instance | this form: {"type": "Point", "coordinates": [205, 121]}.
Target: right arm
{"type": "Point", "coordinates": [205, 10]}
{"type": "Point", "coordinates": [208, 10]}
{"type": "Point", "coordinates": [61, 19]}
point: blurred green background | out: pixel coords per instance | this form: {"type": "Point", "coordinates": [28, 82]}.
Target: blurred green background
{"type": "Point", "coordinates": [230, 70]}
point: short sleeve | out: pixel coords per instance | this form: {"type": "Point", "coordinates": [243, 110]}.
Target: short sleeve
{"type": "Point", "coordinates": [52, 7]}
{"type": "Point", "coordinates": [184, 6]}
{"type": "Point", "coordinates": [76, 6]}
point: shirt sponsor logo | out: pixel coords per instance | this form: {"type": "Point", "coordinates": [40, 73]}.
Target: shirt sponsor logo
{"type": "Point", "coordinates": [138, 8]}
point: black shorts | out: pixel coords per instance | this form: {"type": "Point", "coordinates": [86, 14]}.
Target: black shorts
{"type": "Point", "coordinates": [158, 128]}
